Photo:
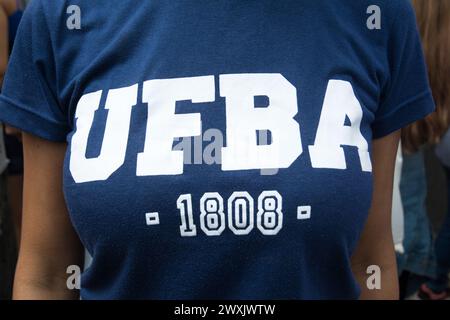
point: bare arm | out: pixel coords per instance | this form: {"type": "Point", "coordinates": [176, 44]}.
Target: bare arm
{"type": "Point", "coordinates": [4, 44]}
{"type": "Point", "coordinates": [49, 243]}
{"type": "Point", "coordinates": [376, 244]}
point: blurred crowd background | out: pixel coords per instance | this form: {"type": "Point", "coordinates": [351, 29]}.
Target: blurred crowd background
{"type": "Point", "coordinates": [421, 219]}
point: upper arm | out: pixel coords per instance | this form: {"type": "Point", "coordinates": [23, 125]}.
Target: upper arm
{"type": "Point", "coordinates": [376, 245]}
{"type": "Point", "coordinates": [377, 233]}
{"type": "Point", "coordinates": [49, 243]}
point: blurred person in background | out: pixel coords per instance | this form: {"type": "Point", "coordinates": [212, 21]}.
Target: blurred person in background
{"type": "Point", "coordinates": [11, 12]}
{"type": "Point", "coordinates": [434, 24]}
{"type": "Point", "coordinates": [418, 259]}
{"type": "Point", "coordinates": [437, 288]}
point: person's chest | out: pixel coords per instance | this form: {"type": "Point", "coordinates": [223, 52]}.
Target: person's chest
{"type": "Point", "coordinates": [274, 108]}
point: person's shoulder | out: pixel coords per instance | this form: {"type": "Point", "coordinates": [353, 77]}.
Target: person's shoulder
{"type": "Point", "coordinates": [46, 5]}
{"type": "Point", "coordinates": [64, 4]}
{"type": "Point", "coordinates": [396, 11]}
{"type": "Point", "coordinates": [400, 9]}
{"type": "Point", "coordinates": [401, 16]}
{"type": "Point", "coordinates": [387, 8]}
{"type": "Point", "coordinates": [399, 6]}
{"type": "Point", "coordinates": [48, 11]}
{"type": "Point", "coordinates": [386, 5]}
{"type": "Point", "coordinates": [54, 7]}
{"type": "Point", "coordinates": [394, 14]}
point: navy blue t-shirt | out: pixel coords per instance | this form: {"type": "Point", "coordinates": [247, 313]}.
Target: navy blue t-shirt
{"type": "Point", "coordinates": [277, 103]}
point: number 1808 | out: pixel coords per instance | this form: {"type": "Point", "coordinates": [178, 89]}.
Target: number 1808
{"type": "Point", "coordinates": [240, 214]}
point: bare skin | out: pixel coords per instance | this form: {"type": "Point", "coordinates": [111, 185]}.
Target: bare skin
{"type": "Point", "coordinates": [49, 243]}
{"type": "Point", "coordinates": [376, 245]}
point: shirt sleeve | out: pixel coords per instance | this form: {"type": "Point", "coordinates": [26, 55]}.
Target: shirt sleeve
{"type": "Point", "coordinates": [406, 97]}
{"type": "Point", "coordinates": [29, 99]}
